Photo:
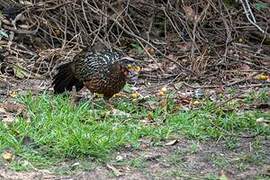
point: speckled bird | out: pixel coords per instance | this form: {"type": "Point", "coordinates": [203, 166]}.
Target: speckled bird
{"type": "Point", "coordinates": [104, 72]}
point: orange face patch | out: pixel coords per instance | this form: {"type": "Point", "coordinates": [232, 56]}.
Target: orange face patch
{"type": "Point", "coordinates": [124, 71]}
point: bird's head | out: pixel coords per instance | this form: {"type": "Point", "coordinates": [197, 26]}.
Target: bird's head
{"type": "Point", "coordinates": [130, 67]}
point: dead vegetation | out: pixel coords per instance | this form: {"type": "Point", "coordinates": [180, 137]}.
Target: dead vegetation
{"type": "Point", "coordinates": [211, 42]}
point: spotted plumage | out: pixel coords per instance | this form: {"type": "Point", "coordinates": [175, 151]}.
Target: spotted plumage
{"type": "Point", "coordinates": [102, 72]}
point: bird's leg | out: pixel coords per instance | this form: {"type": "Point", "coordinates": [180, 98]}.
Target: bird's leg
{"type": "Point", "coordinates": [74, 96]}
{"type": "Point", "coordinates": [108, 103]}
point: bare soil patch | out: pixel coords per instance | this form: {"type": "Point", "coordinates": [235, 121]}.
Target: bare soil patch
{"type": "Point", "coordinates": [211, 159]}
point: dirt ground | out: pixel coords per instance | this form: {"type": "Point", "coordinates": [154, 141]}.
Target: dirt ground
{"type": "Point", "coordinates": [179, 161]}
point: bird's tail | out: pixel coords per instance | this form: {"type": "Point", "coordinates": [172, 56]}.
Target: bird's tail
{"type": "Point", "coordinates": [65, 79]}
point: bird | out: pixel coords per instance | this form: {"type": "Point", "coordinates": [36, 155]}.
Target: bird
{"type": "Point", "coordinates": [103, 72]}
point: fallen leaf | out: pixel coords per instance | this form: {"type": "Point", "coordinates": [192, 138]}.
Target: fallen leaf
{"type": "Point", "coordinates": [119, 158]}
{"type": "Point", "coordinates": [190, 13]}
{"type": "Point", "coordinates": [13, 94]}
{"type": "Point", "coordinates": [115, 171]}
{"type": "Point", "coordinates": [2, 110]}
{"type": "Point", "coordinates": [223, 176]}
{"type": "Point", "coordinates": [8, 119]}
{"type": "Point", "coordinates": [240, 40]}
{"type": "Point", "coordinates": [173, 67]}
{"type": "Point", "coordinates": [9, 108]}
{"type": "Point", "coordinates": [5, 116]}
{"type": "Point", "coordinates": [196, 103]}
{"type": "Point", "coordinates": [172, 142]}
{"type": "Point", "coordinates": [262, 77]}
{"type": "Point", "coordinates": [150, 116]}
{"type": "Point", "coordinates": [117, 112]}
{"type": "Point", "coordinates": [14, 107]}
{"type": "Point", "coordinates": [135, 95]}
{"type": "Point", "coordinates": [8, 155]}
{"type": "Point", "coordinates": [263, 121]}
{"type": "Point", "coordinates": [161, 93]}
{"type": "Point", "coordinates": [151, 51]}
{"type": "Point", "coordinates": [163, 89]}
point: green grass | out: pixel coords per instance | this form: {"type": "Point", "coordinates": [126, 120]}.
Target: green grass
{"type": "Point", "coordinates": [58, 130]}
